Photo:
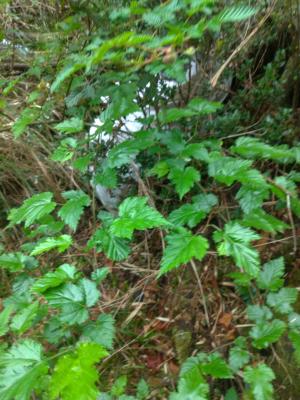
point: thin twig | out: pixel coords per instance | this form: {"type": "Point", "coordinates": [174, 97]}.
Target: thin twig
{"type": "Point", "coordinates": [201, 292]}
{"type": "Point", "coordinates": [216, 77]}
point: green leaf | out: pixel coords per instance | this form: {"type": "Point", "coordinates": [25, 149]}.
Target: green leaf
{"type": "Point", "coordinates": [114, 247]}
{"type": "Point", "coordinates": [216, 367]}
{"type": "Point", "coordinates": [282, 300]}
{"type": "Point", "coordinates": [250, 198]}
{"type": "Point", "coordinates": [271, 277]}
{"type": "Point", "coordinates": [27, 117]}
{"type": "Point", "coordinates": [61, 243]}
{"type": "Point", "coordinates": [72, 210]}
{"type": "Point", "coordinates": [142, 390]}
{"type": "Point", "coordinates": [238, 355]}
{"type": "Point", "coordinates": [195, 107]}
{"type": "Point", "coordinates": [227, 169]}
{"type": "Point", "coordinates": [22, 368]}
{"type": "Point", "coordinates": [100, 274]}
{"type": "Point", "coordinates": [231, 394]}
{"type": "Point", "coordinates": [265, 333]}
{"type": "Point", "coordinates": [107, 178]}
{"type": "Point", "coordinates": [78, 63]}
{"type": "Point", "coordinates": [13, 262]}
{"type": "Point", "coordinates": [259, 219]}
{"type": "Point", "coordinates": [294, 337]}
{"type": "Point", "coordinates": [32, 209]}
{"type": "Point", "coordinates": [75, 375]}
{"type": "Point", "coordinates": [191, 386]}
{"type": "Point", "coordinates": [251, 147]}
{"type": "Point", "coordinates": [135, 214]}
{"type": "Point", "coordinates": [4, 319]}
{"type": "Point", "coordinates": [182, 247]}
{"type": "Point", "coordinates": [71, 125]}
{"type": "Point", "coordinates": [61, 275]}
{"type": "Point", "coordinates": [236, 13]}
{"type": "Point", "coordinates": [188, 214]}
{"type": "Point", "coordinates": [234, 241]}
{"type": "Point", "coordinates": [259, 378]}
{"type": "Point", "coordinates": [184, 179]}
{"type": "Point", "coordinates": [192, 214]}
{"type": "Point", "coordinates": [24, 319]}
{"type": "Point", "coordinates": [74, 300]}
{"type": "Point", "coordinates": [101, 331]}
{"type": "Point", "coordinates": [259, 313]}
{"type": "Point", "coordinates": [119, 386]}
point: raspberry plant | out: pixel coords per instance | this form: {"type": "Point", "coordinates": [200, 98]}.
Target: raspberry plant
{"type": "Point", "coordinates": [55, 332]}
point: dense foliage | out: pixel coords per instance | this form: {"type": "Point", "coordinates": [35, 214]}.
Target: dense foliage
{"type": "Point", "coordinates": [118, 96]}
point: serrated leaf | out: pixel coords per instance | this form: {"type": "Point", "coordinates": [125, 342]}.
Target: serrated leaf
{"type": "Point", "coordinates": [259, 219]}
{"type": "Point", "coordinates": [61, 243]}
{"type": "Point", "coordinates": [71, 125]}
{"type": "Point", "coordinates": [234, 241]}
{"type": "Point", "coordinates": [238, 358]}
{"type": "Point", "coordinates": [236, 13]}
{"type": "Point", "coordinates": [75, 375]}
{"type": "Point", "coordinates": [217, 367]}
{"type": "Point", "coordinates": [259, 378]}
{"type": "Point", "coordinates": [119, 386]}
{"type": "Point", "coordinates": [182, 247]}
{"type": "Point", "coordinates": [53, 279]}
{"type": "Point", "coordinates": [251, 199]}
{"type": "Point", "coordinates": [4, 319]}
{"type": "Point", "coordinates": [107, 178]}
{"type": "Point", "coordinates": [259, 313]}
{"type": "Point", "coordinates": [101, 331]}
{"type": "Point", "coordinates": [196, 106]}
{"type": "Point", "coordinates": [71, 211]}
{"type": "Point", "coordinates": [78, 63]}
{"type": "Point", "coordinates": [251, 147]}
{"type": "Point", "coordinates": [142, 390]}
{"type": "Point", "coordinates": [192, 214]}
{"type": "Point", "coordinates": [227, 169]}
{"type": "Point", "coordinates": [23, 320]}
{"type": "Point", "coordinates": [22, 368]}
{"type": "Point", "coordinates": [282, 300]}
{"type": "Point", "coordinates": [265, 333]}
{"type": "Point", "coordinates": [32, 209]}
{"type": "Point", "coordinates": [74, 300]}
{"type": "Point", "coordinates": [27, 117]}
{"type": "Point", "coordinates": [13, 262]}
{"type": "Point", "coordinates": [114, 247]}
{"type": "Point", "coordinates": [271, 277]}
{"type": "Point", "coordinates": [191, 386]}
{"type": "Point", "coordinates": [188, 214]}
{"type": "Point", "coordinates": [184, 179]}
{"type": "Point", "coordinates": [294, 337]}
{"type": "Point", "coordinates": [135, 214]}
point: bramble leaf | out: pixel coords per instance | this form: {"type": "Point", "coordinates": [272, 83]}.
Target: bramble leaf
{"type": "Point", "coordinates": [182, 247]}
{"type": "Point", "coordinates": [32, 209]}
{"type": "Point", "coordinates": [135, 214]}
{"type": "Point", "coordinates": [53, 279]}
{"type": "Point", "coordinates": [184, 179]}
{"type": "Point", "coordinates": [259, 378]}
{"type": "Point", "coordinates": [75, 375]}
{"type": "Point", "coordinates": [101, 331]}
{"type": "Point", "coordinates": [282, 300]}
{"type": "Point", "coordinates": [234, 241]}
{"type": "Point", "coordinates": [61, 243]}
{"type": "Point", "coordinates": [271, 277]}
{"type": "Point", "coordinates": [21, 370]}
{"type": "Point", "coordinates": [71, 211]}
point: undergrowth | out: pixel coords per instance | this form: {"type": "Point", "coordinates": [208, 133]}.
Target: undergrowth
{"type": "Point", "coordinates": [214, 191]}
